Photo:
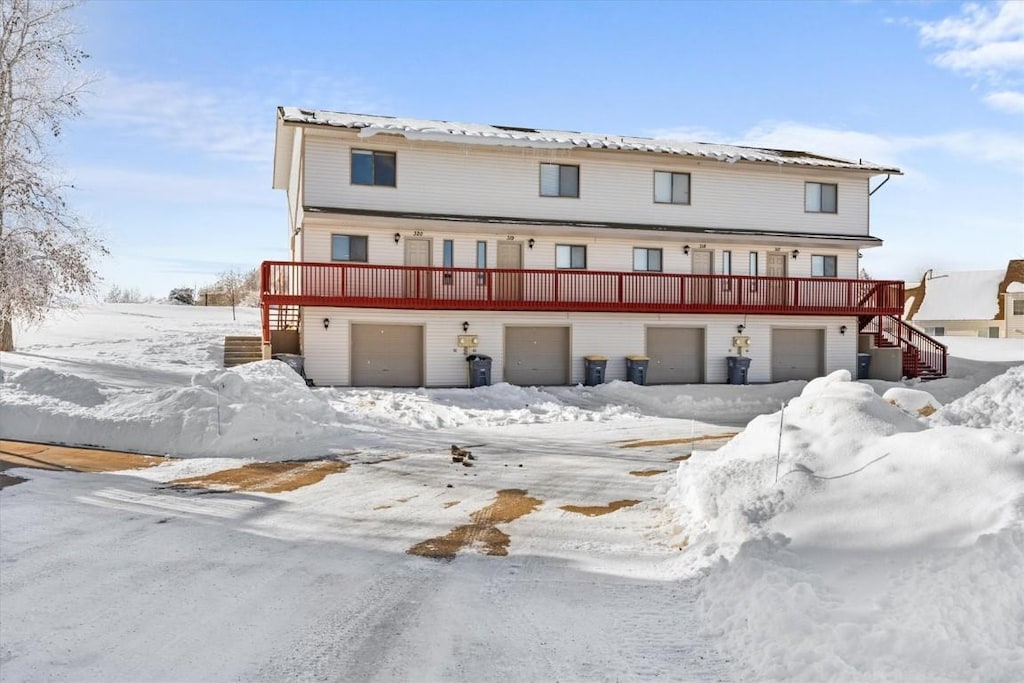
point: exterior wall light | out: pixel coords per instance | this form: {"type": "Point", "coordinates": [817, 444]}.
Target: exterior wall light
{"type": "Point", "coordinates": [842, 329]}
{"type": "Point", "coordinates": [530, 242]}
{"type": "Point", "coordinates": [398, 236]}
{"type": "Point", "coordinates": [465, 326]}
{"type": "Point", "coordinates": [740, 328]}
{"type": "Point", "coordinates": [327, 323]}
{"type": "Point", "coordinates": [796, 252]}
{"type": "Point", "coordinates": [686, 249]}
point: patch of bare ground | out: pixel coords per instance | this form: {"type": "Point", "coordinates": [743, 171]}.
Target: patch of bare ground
{"type": "Point", "coordinates": [508, 506]}
{"type": "Point", "coordinates": [451, 504]}
{"type": "Point", "coordinates": [647, 473]}
{"type": "Point", "coordinates": [69, 458]}
{"type": "Point", "coordinates": [265, 477]}
{"type": "Point", "coordinates": [598, 510]}
{"type": "Point", "coordinates": [673, 442]}
{"type": "Point", "coordinates": [398, 501]}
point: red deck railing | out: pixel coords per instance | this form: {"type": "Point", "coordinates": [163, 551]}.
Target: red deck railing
{"type": "Point", "coordinates": [411, 287]}
{"type": "Point", "coordinates": [922, 355]}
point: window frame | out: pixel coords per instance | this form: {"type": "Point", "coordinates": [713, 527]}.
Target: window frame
{"type": "Point", "coordinates": [447, 260]}
{"type": "Point", "coordinates": [824, 259]}
{"type": "Point", "coordinates": [820, 185]}
{"type": "Point", "coordinates": [672, 186]}
{"type": "Point", "coordinates": [647, 260]}
{"type": "Point", "coordinates": [366, 248]}
{"type": "Point", "coordinates": [481, 261]}
{"type": "Point", "coordinates": [571, 248]}
{"type": "Point", "coordinates": [1017, 307]}
{"type": "Point", "coordinates": [374, 153]}
{"type": "Point", "coordinates": [540, 180]}
{"type": "Point", "coordinates": [752, 269]}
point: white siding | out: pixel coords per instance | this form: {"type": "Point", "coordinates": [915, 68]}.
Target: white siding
{"type": "Point", "coordinates": [603, 253]}
{"type": "Point", "coordinates": [614, 187]}
{"type": "Point", "coordinates": [614, 336]}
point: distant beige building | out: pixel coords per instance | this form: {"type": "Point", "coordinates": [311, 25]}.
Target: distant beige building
{"type": "Point", "coordinates": [982, 303]}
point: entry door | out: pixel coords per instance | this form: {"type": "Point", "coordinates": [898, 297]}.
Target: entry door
{"type": "Point", "coordinates": [700, 290]}
{"type": "Point", "coordinates": [777, 268]}
{"type": "Point", "coordinates": [417, 283]}
{"type": "Point", "coordinates": [509, 286]}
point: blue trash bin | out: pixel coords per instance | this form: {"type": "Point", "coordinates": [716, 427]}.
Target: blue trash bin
{"type": "Point", "coordinates": [863, 365]}
{"type": "Point", "coordinates": [636, 369]}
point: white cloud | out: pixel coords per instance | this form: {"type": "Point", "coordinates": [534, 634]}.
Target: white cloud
{"type": "Point", "coordinates": [248, 191]}
{"type": "Point", "coordinates": [1006, 100]}
{"type": "Point", "coordinates": [985, 42]}
{"type": "Point", "coordinates": [234, 122]}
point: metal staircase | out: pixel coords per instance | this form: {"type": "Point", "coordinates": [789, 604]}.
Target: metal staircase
{"type": "Point", "coordinates": [923, 357]}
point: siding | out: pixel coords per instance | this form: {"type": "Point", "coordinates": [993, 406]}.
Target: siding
{"type": "Point", "coordinates": [614, 336]}
{"type": "Point", "coordinates": [614, 187]}
{"type": "Point", "coordinates": [603, 253]}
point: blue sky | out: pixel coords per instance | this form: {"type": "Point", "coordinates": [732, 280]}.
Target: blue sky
{"type": "Point", "coordinates": [172, 160]}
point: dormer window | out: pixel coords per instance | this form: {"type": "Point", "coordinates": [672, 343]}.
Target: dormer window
{"type": "Point", "coordinates": [820, 197]}
{"type": "Point", "coordinates": [373, 168]}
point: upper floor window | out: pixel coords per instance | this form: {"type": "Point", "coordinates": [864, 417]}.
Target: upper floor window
{"type": "Point", "coordinates": [559, 180]}
{"type": "Point", "coordinates": [823, 266]}
{"type": "Point", "coordinates": [481, 261]}
{"type": "Point", "coordinates": [726, 262]}
{"type": "Point", "coordinates": [373, 168]}
{"type": "Point", "coordinates": [820, 197]}
{"type": "Point", "coordinates": [647, 259]}
{"type": "Point", "coordinates": [1018, 306]}
{"type": "Point", "coordinates": [671, 188]}
{"type": "Point", "coordinates": [752, 266]}
{"type": "Point", "coordinates": [570, 256]}
{"type": "Point", "coordinates": [348, 248]}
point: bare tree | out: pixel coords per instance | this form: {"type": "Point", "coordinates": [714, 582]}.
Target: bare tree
{"type": "Point", "coordinates": [46, 251]}
{"type": "Point", "coordinates": [231, 282]}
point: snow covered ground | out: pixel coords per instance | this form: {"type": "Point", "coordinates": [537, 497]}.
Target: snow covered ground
{"type": "Point", "coordinates": [641, 541]}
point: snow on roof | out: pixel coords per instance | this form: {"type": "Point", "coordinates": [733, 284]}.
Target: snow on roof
{"type": "Point", "coordinates": [965, 295]}
{"type": "Point", "coordinates": [514, 136]}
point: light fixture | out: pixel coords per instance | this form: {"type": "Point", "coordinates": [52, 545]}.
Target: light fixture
{"type": "Point", "coordinates": [465, 326]}
{"type": "Point", "coordinates": [327, 323]}
{"type": "Point", "coordinates": [530, 242]}
{"type": "Point", "coordinates": [842, 329]}
{"type": "Point", "coordinates": [686, 249]}
{"type": "Point", "coordinates": [398, 236]}
{"type": "Point", "coordinates": [796, 252]}
{"type": "Point", "coordinates": [740, 328]}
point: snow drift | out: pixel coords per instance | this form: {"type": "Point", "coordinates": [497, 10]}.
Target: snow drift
{"type": "Point", "coordinates": [261, 410]}
{"type": "Point", "coordinates": [994, 405]}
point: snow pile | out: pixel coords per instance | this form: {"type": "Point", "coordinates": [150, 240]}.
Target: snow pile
{"type": "Point", "coordinates": [912, 401]}
{"type": "Point", "coordinates": [260, 410]}
{"type": "Point", "coordinates": [899, 546]}
{"type": "Point", "coordinates": [70, 388]}
{"type": "Point", "coordinates": [994, 405]}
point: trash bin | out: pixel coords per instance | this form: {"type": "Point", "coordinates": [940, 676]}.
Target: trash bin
{"type": "Point", "coordinates": [636, 369]}
{"type": "Point", "coordinates": [593, 370]}
{"type": "Point", "coordinates": [292, 360]}
{"type": "Point", "coordinates": [863, 365]}
{"type": "Point", "coordinates": [479, 370]}
{"type": "Point", "coordinates": [738, 366]}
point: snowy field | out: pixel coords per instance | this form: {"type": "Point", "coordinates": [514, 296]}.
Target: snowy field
{"type": "Point", "coordinates": [870, 531]}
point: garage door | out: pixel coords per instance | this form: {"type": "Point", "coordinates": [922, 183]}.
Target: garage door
{"type": "Point", "coordinates": [537, 355]}
{"type": "Point", "coordinates": [677, 355]}
{"type": "Point", "coordinates": [387, 355]}
{"type": "Point", "coordinates": [797, 354]}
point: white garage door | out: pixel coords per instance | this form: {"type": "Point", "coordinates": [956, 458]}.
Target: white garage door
{"type": "Point", "coordinates": [537, 355]}
{"type": "Point", "coordinates": [387, 355]}
{"type": "Point", "coordinates": [797, 354]}
{"type": "Point", "coordinates": [677, 355]}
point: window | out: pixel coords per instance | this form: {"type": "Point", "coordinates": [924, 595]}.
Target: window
{"type": "Point", "coordinates": [1018, 306]}
{"type": "Point", "coordinates": [727, 262]}
{"type": "Point", "coordinates": [823, 266]}
{"type": "Point", "coordinates": [559, 180]}
{"type": "Point", "coordinates": [481, 261]}
{"type": "Point", "coordinates": [935, 331]}
{"type": "Point", "coordinates": [753, 264]}
{"type": "Point", "coordinates": [348, 248]}
{"type": "Point", "coordinates": [448, 259]}
{"type": "Point", "coordinates": [671, 188]}
{"type": "Point", "coordinates": [570, 256]}
{"type": "Point", "coordinates": [647, 259]}
{"type": "Point", "coordinates": [373, 168]}
{"type": "Point", "coordinates": [820, 197]}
